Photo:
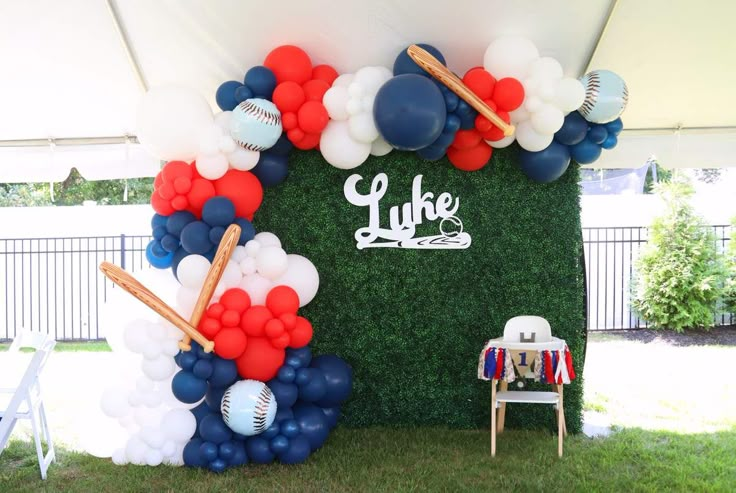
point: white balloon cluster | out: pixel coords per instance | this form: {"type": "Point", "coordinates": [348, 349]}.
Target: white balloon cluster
{"type": "Point", "coordinates": [176, 123]}
{"type": "Point", "coordinates": [548, 95]}
{"type": "Point", "coordinates": [351, 135]}
{"type": "Point", "coordinates": [256, 268]}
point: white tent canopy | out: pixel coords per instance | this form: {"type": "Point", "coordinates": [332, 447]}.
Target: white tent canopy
{"type": "Point", "coordinates": [76, 69]}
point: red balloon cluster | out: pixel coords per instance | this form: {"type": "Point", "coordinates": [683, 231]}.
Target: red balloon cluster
{"type": "Point", "coordinates": [470, 151]}
{"type": "Point", "coordinates": [178, 187]}
{"type": "Point", "coordinates": [298, 94]}
{"type": "Point", "coordinates": [256, 336]}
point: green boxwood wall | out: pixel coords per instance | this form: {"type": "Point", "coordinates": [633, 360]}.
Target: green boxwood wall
{"type": "Point", "coordinates": [412, 322]}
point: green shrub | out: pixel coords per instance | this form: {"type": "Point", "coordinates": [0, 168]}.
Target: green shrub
{"type": "Point", "coordinates": [680, 276]}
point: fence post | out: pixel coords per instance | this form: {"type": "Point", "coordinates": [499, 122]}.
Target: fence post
{"type": "Point", "coordinates": [122, 251]}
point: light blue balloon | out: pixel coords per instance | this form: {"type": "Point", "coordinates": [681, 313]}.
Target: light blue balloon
{"type": "Point", "coordinates": [606, 96]}
{"type": "Point", "coordinates": [256, 124]}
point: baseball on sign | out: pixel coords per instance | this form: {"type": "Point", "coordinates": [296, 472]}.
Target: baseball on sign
{"type": "Point", "coordinates": [255, 124]}
{"type": "Point", "coordinates": [248, 407]}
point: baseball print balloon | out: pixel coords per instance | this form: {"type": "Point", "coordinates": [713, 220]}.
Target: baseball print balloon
{"type": "Point", "coordinates": [606, 96]}
{"type": "Point", "coordinates": [248, 407]}
{"type": "Point", "coordinates": [255, 124]}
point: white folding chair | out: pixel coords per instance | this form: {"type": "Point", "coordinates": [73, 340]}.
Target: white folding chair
{"type": "Point", "coordinates": [25, 399]}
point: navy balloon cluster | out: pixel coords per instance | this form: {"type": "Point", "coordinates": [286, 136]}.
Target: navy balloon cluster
{"type": "Point", "coordinates": [577, 140]}
{"type": "Point", "coordinates": [414, 112]}
{"type": "Point", "coordinates": [308, 392]}
{"type": "Point", "coordinates": [181, 234]}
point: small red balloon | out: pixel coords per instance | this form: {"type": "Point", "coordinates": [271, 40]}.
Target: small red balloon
{"type": "Point", "coordinates": [482, 124]}
{"type": "Point", "coordinates": [167, 190]}
{"type": "Point", "coordinates": [289, 120]}
{"type": "Point", "coordinates": [495, 133]}
{"type": "Point", "coordinates": [508, 94]}
{"type": "Point", "coordinates": [202, 190]}
{"type": "Point", "coordinates": [282, 299]}
{"type": "Point", "coordinates": [466, 139]}
{"type": "Point", "coordinates": [182, 185]}
{"type": "Point", "coordinates": [230, 318]}
{"type": "Point", "coordinates": [235, 299]}
{"type": "Point", "coordinates": [471, 159]}
{"type": "Point", "coordinates": [302, 333]}
{"type": "Point", "coordinates": [282, 341]}
{"type": "Point", "coordinates": [289, 63]}
{"type": "Point", "coordinates": [260, 360]}
{"type": "Point", "coordinates": [179, 203]}
{"type": "Point", "coordinates": [254, 320]}
{"type": "Point", "coordinates": [230, 343]}
{"type": "Point", "coordinates": [325, 73]}
{"type": "Point", "coordinates": [315, 89]}
{"type": "Point", "coordinates": [274, 328]}
{"type": "Point", "coordinates": [308, 141]}
{"type": "Point", "coordinates": [480, 82]}
{"type": "Point", "coordinates": [161, 205]}
{"type": "Point", "coordinates": [295, 135]}
{"type": "Point", "coordinates": [313, 117]}
{"type": "Point", "coordinates": [243, 189]}
{"type": "Point", "coordinates": [215, 310]}
{"type": "Point", "coordinates": [289, 320]}
{"type": "Point", "coordinates": [174, 169]}
{"type": "Point", "coordinates": [289, 97]}
{"type": "Point", "coordinates": [209, 327]}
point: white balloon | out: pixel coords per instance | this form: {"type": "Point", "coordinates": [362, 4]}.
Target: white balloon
{"type": "Point", "coordinates": [135, 450]}
{"type": "Point", "coordinates": [268, 239]}
{"type": "Point", "coordinates": [222, 120]}
{"type": "Point", "coordinates": [152, 349]}
{"type": "Point", "coordinates": [531, 140]}
{"type": "Point", "coordinates": [372, 78]}
{"type": "Point", "coordinates": [114, 402]}
{"type": "Point", "coordinates": [99, 436]}
{"type": "Point", "coordinates": [170, 121]}
{"type": "Point", "coordinates": [302, 276]}
{"type": "Point", "coordinates": [159, 368]}
{"type": "Point", "coordinates": [157, 332]}
{"type": "Point", "coordinates": [212, 166]}
{"type": "Point", "coordinates": [335, 101]}
{"type": "Point", "coordinates": [178, 425]}
{"type": "Point", "coordinates": [154, 457]}
{"type": "Point", "coordinates": [226, 144]}
{"type": "Point", "coordinates": [569, 94]}
{"type": "Point", "coordinates": [177, 458]}
{"type": "Point", "coordinates": [248, 266]}
{"type": "Point", "coordinates": [363, 128]}
{"type": "Point", "coordinates": [231, 276]}
{"type": "Point", "coordinates": [343, 80]}
{"type": "Point", "coordinates": [257, 288]}
{"type": "Point", "coordinates": [546, 68]}
{"type": "Point", "coordinates": [143, 384]}
{"type": "Point", "coordinates": [380, 147]}
{"type": "Point", "coordinates": [532, 104]}
{"type": "Point", "coordinates": [510, 57]}
{"type": "Point", "coordinates": [135, 399]}
{"type": "Point", "coordinates": [209, 140]}
{"type": "Point", "coordinates": [500, 144]}
{"type": "Point", "coordinates": [192, 271]}
{"type": "Point", "coordinates": [340, 149]}
{"type": "Point", "coordinates": [548, 119]}
{"type": "Point", "coordinates": [136, 336]}
{"type": "Point", "coordinates": [354, 106]}
{"type": "Point", "coordinates": [367, 103]}
{"type": "Point", "coordinates": [252, 247]}
{"type": "Point", "coordinates": [356, 89]}
{"type": "Point", "coordinates": [243, 159]}
{"type": "Point", "coordinates": [119, 458]}
{"type": "Point", "coordinates": [170, 347]}
{"type": "Point", "coordinates": [519, 115]}
{"type": "Point", "coordinates": [239, 254]}
{"type": "Point", "coordinates": [151, 399]}
{"type": "Point", "coordinates": [153, 437]}
{"type": "Point", "coordinates": [271, 262]}
{"type": "Point", "coordinates": [169, 448]}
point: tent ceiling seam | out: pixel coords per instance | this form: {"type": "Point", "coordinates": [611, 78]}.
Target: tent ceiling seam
{"type": "Point", "coordinates": [125, 41]}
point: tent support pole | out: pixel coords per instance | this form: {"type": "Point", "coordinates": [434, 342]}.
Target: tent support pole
{"type": "Point", "coordinates": [125, 41]}
{"type": "Point", "coordinates": [611, 10]}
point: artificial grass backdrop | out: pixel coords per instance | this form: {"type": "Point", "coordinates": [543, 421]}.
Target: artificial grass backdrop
{"type": "Point", "coordinates": [413, 322]}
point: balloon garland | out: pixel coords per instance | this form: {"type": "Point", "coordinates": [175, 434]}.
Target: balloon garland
{"type": "Point", "coordinates": [261, 396]}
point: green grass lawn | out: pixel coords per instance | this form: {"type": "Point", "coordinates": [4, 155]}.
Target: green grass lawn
{"type": "Point", "coordinates": [422, 460]}
{"type": "Point", "coordinates": [71, 347]}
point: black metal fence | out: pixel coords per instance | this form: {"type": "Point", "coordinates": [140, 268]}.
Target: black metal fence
{"type": "Point", "coordinates": [54, 284]}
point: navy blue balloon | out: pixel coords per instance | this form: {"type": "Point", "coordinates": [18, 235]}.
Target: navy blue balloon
{"type": "Point", "coordinates": [202, 369]}
{"type": "Point", "coordinates": [615, 127]}
{"type": "Point", "coordinates": [286, 374]}
{"type": "Point", "coordinates": [259, 450]}
{"type": "Point", "coordinates": [282, 146]}
{"type": "Point", "coordinates": [261, 80]}
{"type": "Point", "coordinates": [159, 232]}
{"type": "Point", "coordinates": [315, 387]}
{"type": "Point", "coordinates": [546, 165]}
{"type": "Point", "coordinates": [338, 376]}
{"type": "Point", "coordinates": [332, 414]}
{"type": "Point", "coordinates": [467, 115]}
{"type": "Point", "coordinates": [176, 222]}
{"type": "Point", "coordinates": [213, 429]}
{"type": "Point", "coordinates": [405, 65]}
{"type": "Point", "coordinates": [218, 211]}
{"type": "Point", "coordinates": [299, 358]}
{"type": "Point", "coordinates": [285, 394]}
{"type": "Point", "coordinates": [224, 372]}
{"type": "Point", "coordinates": [298, 451]}
{"type": "Point", "coordinates": [409, 111]}
{"type": "Point", "coordinates": [200, 411]}
{"type": "Point", "coordinates": [201, 353]}
{"type": "Point", "coordinates": [610, 141]}
{"type": "Point", "coordinates": [208, 451]}
{"type": "Point", "coordinates": [585, 152]}
{"type": "Point", "coordinates": [271, 431]}
{"type": "Point", "coordinates": [218, 465]}
{"type": "Point", "coordinates": [279, 444]}
{"type": "Point", "coordinates": [185, 360]}
{"type": "Point", "coordinates": [312, 423]}
{"type": "Point", "coordinates": [247, 231]}
{"type": "Point", "coordinates": [597, 134]}
{"type": "Point", "coordinates": [240, 457]}
{"type": "Point", "coordinates": [213, 398]}
{"type": "Point", "coordinates": [178, 257]}
{"type": "Point", "coordinates": [216, 234]}
{"type": "Point", "coordinates": [192, 455]}
{"type": "Point", "coordinates": [188, 388]}
{"type": "Point", "coordinates": [573, 130]}
{"type": "Point", "coordinates": [195, 238]}
{"type": "Point", "coordinates": [170, 243]}
{"type": "Point", "coordinates": [158, 220]}
{"type": "Point", "coordinates": [452, 125]}
{"type": "Point", "coordinates": [242, 93]}
{"type": "Point", "coordinates": [283, 414]}
{"type": "Point", "coordinates": [157, 256]}
{"type": "Point", "coordinates": [226, 450]}
{"type": "Point", "coordinates": [272, 169]}
{"type": "Point", "coordinates": [451, 101]}
{"type": "Point", "coordinates": [432, 153]}
{"type": "Point", "coordinates": [225, 95]}
{"type": "Point", "coordinates": [289, 428]}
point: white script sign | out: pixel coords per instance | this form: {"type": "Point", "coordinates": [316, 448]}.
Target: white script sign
{"type": "Point", "coordinates": [403, 221]}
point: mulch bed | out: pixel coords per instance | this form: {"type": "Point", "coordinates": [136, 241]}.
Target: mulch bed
{"type": "Point", "coordinates": [717, 336]}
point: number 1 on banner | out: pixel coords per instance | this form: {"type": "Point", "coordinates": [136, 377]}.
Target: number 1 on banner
{"type": "Point", "coordinates": [523, 359]}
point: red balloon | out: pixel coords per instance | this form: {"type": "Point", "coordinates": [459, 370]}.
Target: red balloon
{"type": "Point", "coordinates": [182, 184]}
{"type": "Point", "coordinates": [313, 117]}
{"type": "Point", "coordinates": [480, 82]}
{"type": "Point", "coordinates": [260, 361]}
{"type": "Point", "coordinates": [180, 203]}
{"type": "Point", "coordinates": [302, 333]}
{"type": "Point", "coordinates": [209, 327]}
{"type": "Point", "coordinates": [295, 135]}
{"type": "Point", "coordinates": [466, 139]}
{"type": "Point", "coordinates": [230, 318]}
{"type": "Point", "coordinates": [230, 343]}
{"type": "Point", "coordinates": [215, 310]}
{"type": "Point", "coordinates": [495, 133]}
{"type": "Point", "coordinates": [282, 299]}
{"type": "Point", "coordinates": [471, 159]}
{"type": "Point", "coordinates": [202, 190]}
{"type": "Point", "coordinates": [289, 120]}
{"type": "Point", "coordinates": [161, 205]}
{"type": "Point", "coordinates": [482, 124]}
{"type": "Point", "coordinates": [254, 320]}
{"type": "Point", "coordinates": [235, 299]}
{"type": "Point", "coordinates": [289, 63]}
{"type": "Point", "coordinates": [282, 341]}
{"type": "Point", "coordinates": [274, 328]}
{"type": "Point", "coordinates": [315, 89]}
{"type": "Point", "coordinates": [158, 181]}
{"type": "Point", "coordinates": [288, 97]}
{"type": "Point", "coordinates": [308, 141]}
{"type": "Point", "coordinates": [167, 190]}
{"type": "Point", "coordinates": [325, 73]}
{"type": "Point", "coordinates": [289, 320]}
{"type": "Point", "coordinates": [243, 189]}
{"type": "Point", "coordinates": [508, 94]}
{"type": "Point", "coordinates": [174, 169]}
